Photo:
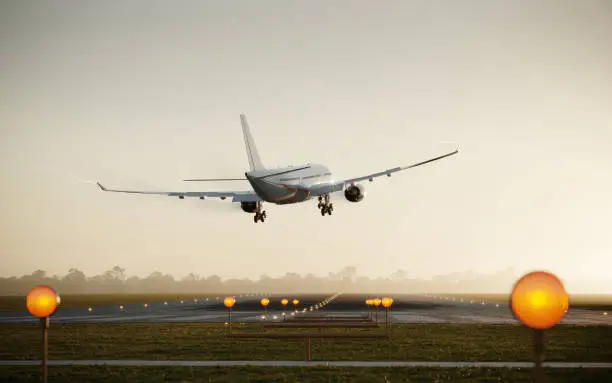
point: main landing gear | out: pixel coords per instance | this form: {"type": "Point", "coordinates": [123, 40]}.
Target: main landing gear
{"type": "Point", "coordinates": [324, 205]}
{"type": "Point", "coordinates": [260, 215]}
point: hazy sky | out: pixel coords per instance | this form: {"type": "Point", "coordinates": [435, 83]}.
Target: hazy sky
{"type": "Point", "coordinates": [139, 94]}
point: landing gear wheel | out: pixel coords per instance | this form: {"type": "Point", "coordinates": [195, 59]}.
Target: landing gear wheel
{"type": "Point", "coordinates": [323, 211]}
{"type": "Point", "coordinates": [255, 218]}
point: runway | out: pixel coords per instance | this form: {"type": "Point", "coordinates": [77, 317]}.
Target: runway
{"type": "Point", "coordinates": [405, 309]}
{"type": "Point", "coordinates": [273, 363]}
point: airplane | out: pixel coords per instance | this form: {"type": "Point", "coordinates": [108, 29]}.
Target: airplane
{"type": "Point", "coordinates": [284, 185]}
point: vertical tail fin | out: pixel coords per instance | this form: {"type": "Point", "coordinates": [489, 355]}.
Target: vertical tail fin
{"type": "Point", "coordinates": [252, 154]}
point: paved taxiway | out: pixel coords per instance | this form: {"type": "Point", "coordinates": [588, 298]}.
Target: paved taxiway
{"type": "Point", "coordinates": [406, 309]}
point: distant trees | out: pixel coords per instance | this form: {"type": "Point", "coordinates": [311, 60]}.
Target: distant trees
{"type": "Point", "coordinates": [116, 280]}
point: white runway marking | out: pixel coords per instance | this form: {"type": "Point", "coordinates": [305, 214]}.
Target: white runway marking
{"type": "Point", "coordinates": [218, 363]}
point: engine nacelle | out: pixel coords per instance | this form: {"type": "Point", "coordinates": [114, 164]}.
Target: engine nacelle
{"type": "Point", "coordinates": [354, 193]}
{"type": "Point", "coordinates": [248, 207]}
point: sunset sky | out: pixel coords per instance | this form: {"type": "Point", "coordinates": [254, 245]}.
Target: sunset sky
{"type": "Point", "coordinates": [141, 94]}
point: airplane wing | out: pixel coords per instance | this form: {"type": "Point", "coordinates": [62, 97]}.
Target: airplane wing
{"type": "Point", "coordinates": [236, 196]}
{"type": "Point", "coordinates": [340, 184]}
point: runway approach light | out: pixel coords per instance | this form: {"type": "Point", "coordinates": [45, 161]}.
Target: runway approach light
{"type": "Point", "coordinates": [539, 300]}
{"type": "Point", "coordinates": [295, 302]}
{"type": "Point", "coordinates": [42, 301]}
{"type": "Point", "coordinates": [89, 309]}
{"type": "Point", "coordinates": [605, 313]}
{"type": "Point", "coordinates": [181, 302]}
{"type": "Point", "coordinates": [229, 302]}
{"type": "Point", "coordinates": [264, 302]}
{"type": "Point", "coordinates": [274, 317]}
{"type": "Point", "coordinates": [497, 305]}
{"type": "Point", "coordinates": [146, 305]}
{"type": "Point", "coordinates": [165, 303]}
{"type": "Point", "coordinates": [377, 302]}
{"type": "Point", "coordinates": [387, 302]}
{"type": "Point", "coordinates": [284, 302]}
{"type": "Point", "coordinates": [121, 307]}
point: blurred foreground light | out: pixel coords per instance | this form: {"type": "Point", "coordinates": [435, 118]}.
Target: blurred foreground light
{"type": "Point", "coordinates": [181, 302]}
{"type": "Point", "coordinates": [42, 301]}
{"type": "Point", "coordinates": [146, 305]}
{"type": "Point", "coordinates": [165, 303]}
{"type": "Point", "coordinates": [121, 307]}
{"type": "Point", "coordinates": [229, 302]}
{"type": "Point", "coordinates": [274, 317]}
{"type": "Point", "coordinates": [539, 300]}
{"type": "Point", "coordinates": [89, 309]}
{"type": "Point", "coordinates": [605, 313]}
{"type": "Point", "coordinates": [387, 302]}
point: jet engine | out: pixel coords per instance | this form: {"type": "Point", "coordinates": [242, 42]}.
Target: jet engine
{"type": "Point", "coordinates": [248, 207]}
{"type": "Point", "coordinates": [354, 193]}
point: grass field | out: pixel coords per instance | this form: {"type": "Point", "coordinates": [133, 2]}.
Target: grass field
{"type": "Point", "coordinates": [310, 375]}
{"type": "Point", "coordinates": [181, 341]}
{"type": "Point", "coordinates": [198, 341]}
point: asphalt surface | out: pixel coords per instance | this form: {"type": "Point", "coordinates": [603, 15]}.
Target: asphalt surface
{"type": "Point", "coordinates": [405, 309]}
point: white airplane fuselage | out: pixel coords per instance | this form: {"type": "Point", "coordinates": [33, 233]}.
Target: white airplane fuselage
{"type": "Point", "coordinates": [289, 184]}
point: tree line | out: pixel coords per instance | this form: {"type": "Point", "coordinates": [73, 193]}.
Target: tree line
{"type": "Point", "coordinates": [116, 280]}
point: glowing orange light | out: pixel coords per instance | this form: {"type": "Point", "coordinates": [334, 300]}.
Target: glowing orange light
{"type": "Point", "coordinates": [229, 302]}
{"type": "Point", "coordinates": [42, 301]}
{"type": "Point", "coordinates": [368, 302]}
{"type": "Point", "coordinates": [387, 302]}
{"type": "Point", "coordinates": [295, 302]}
{"type": "Point", "coordinates": [284, 302]}
{"type": "Point", "coordinates": [377, 302]}
{"type": "Point", "coordinates": [539, 300]}
{"type": "Point", "coordinates": [264, 302]}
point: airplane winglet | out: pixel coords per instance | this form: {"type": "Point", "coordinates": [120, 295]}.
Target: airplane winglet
{"type": "Point", "coordinates": [101, 187]}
